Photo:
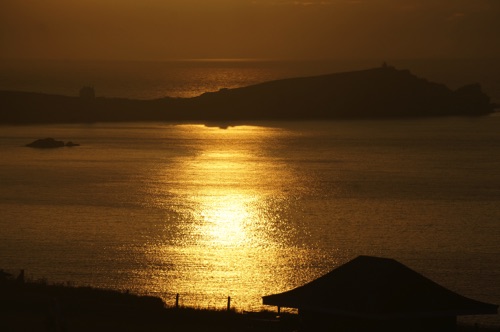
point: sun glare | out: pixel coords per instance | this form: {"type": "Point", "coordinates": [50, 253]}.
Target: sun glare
{"type": "Point", "coordinates": [225, 219]}
{"type": "Point", "coordinates": [226, 199]}
{"type": "Point", "coordinates": [220, 201]}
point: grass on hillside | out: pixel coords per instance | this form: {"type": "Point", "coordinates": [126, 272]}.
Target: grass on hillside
{"type": "Point", "coordinates": [40, 306]}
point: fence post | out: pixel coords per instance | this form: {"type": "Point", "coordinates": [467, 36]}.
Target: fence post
{"type": "Point", "coordinates": [228, 303]}
{"type": "Point", "coordinates": [177, 301]}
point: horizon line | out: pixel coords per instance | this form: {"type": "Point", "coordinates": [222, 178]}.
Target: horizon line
{"type": "Point", "coordinates": [251, 59]}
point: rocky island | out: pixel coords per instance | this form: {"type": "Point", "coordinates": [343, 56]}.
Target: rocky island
{"type": "Point", "coordinates": [371, 93]}
{"type": "Point", "coordinates": [49, 142]}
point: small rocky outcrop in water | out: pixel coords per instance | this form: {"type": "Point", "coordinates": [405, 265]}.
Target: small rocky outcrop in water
{"type": "Point", "coordinates": [49, 142]}
{"type": "Point", "coordinates": [71, 144]}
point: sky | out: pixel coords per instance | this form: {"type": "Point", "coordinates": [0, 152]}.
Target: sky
{"type": "Point", "coordinates": [256, 29]}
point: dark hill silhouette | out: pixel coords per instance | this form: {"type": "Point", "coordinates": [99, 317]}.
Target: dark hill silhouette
{"type": "Point", "coordinates": [379, 92]}
{"type": "Point", "coordinates": [371, 93]}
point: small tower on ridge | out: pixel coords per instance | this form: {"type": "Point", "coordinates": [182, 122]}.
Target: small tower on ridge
{"type": "Point", "coordinates": [87, 92]}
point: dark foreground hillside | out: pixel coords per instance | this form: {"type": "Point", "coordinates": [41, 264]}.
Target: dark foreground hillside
{"type": "Point", "coordinates": [38, 306]}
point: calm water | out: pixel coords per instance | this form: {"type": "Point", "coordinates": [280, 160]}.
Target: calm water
{"type": "Point", "coordinates": [252, 210]}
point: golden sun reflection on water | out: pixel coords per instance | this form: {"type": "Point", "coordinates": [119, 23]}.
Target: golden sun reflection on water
{"type": "Point", "coordinates": [228, 234]}
{"type": "Point", "coordinates": [226, 218]}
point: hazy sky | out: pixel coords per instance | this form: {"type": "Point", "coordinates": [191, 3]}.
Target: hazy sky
{"type": "Point", "coordinates": [310, 29]}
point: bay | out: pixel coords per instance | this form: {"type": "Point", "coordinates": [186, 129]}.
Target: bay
{"type": "Point", "coordinates": [254, 209]}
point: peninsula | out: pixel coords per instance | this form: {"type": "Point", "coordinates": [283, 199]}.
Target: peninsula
{"type": "Point", "coordinates": [381, 92]}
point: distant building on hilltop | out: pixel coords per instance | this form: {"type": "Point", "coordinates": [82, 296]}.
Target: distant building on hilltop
{"type": "Point", "coordinates": [87, 92]}
{"type": "Point", "coordinates": [386, 66]}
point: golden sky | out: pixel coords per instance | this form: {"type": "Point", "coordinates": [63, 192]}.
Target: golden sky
{"type": "Point", "coordinates": [269, 29]}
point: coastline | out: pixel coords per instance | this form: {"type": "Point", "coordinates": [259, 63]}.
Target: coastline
{"type": "Point", "coordinates": [384, 92]}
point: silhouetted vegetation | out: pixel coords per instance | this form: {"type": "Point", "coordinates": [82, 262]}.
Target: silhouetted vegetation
{"type": "Point", "coordinates": [40, 306]}
{"type": "Point", "coordinates": [371, 93]}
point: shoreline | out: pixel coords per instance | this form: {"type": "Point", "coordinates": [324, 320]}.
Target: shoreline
{"type": "Point", "coordinates": [384, 92]}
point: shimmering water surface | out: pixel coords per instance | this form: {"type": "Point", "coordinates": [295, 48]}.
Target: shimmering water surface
{"type": "Point", "coordinates": [253, 209]}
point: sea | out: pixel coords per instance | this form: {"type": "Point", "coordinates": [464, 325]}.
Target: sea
{"type": "Point", "coordinates": [239, 212]}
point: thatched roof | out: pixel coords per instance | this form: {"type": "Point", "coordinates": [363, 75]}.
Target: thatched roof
{"type": "Point", "coordinates": [374, 287]}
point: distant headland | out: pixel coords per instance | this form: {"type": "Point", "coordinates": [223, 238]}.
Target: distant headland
{"type": "Point", "coordinates": [381, 92]}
